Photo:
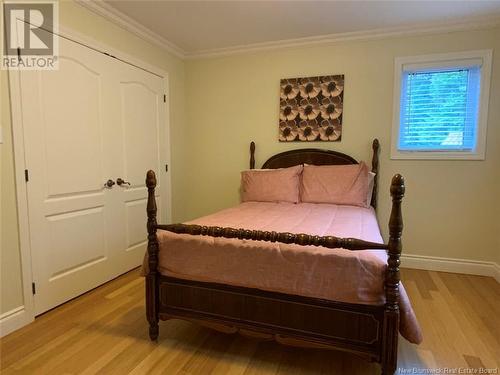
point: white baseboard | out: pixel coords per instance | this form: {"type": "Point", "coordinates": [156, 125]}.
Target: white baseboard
{"type": "Point", "coordinates": [14, 319]}
{"type": "Point", "coordinates": [470, 267]}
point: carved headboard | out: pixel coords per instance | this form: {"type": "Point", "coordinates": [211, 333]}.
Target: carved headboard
{"type": "Point", "coordinates": [316, 156]}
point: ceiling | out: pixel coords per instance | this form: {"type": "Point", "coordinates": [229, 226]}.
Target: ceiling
{"type": "Point", "coordinates": [203, 26]}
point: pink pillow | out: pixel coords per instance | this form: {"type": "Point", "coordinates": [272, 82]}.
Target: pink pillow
{"type": "Point", "coordinates": [337, 184]}
{"type": "Point", "coordinates": [271, 185]}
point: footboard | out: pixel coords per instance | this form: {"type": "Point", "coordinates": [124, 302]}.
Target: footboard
{"type": "Point", "coordinates": [370, 331]}
{"type": "Point", "coordinates": [282, 317]}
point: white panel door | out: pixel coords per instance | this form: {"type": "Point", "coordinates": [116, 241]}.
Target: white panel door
{"type": "Point", "coordinates": [144, 140]}
{"type": "Point", "coordinates": [94, 119]}
{"type": "Point", "coordinates": [66, 148]}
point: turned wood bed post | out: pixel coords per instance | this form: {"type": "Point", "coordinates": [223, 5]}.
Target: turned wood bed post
{"type": "Point", "coordinates": [252, 155]}
{"type": "Point", "coordinates": [152, 295]}
{"type": "Point", "coordinates": [392, 277]}
{"type": "Point", "coordinates": [376, 148]}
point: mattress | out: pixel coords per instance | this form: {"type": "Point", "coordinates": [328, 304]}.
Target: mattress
{"type": "Point", "coordinates": [333, 274]}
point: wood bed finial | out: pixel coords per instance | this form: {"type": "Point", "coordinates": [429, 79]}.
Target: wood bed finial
{"type": "Point", "coordinates": [376, 149]}
{"type": "Point", "coordinates": [152, 297]}
{"type": "Point", "coordinates": [252, 155]}
{"type": "Point", "coordinates": [150, 179]}
{"type": "Point", "coordinates": [392, 278]}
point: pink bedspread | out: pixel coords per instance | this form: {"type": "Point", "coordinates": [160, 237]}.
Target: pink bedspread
{"type": "Point", "coordinates": [333, 274]}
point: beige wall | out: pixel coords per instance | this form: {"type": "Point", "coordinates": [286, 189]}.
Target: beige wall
{"type": "Point", "coordinates": [451, 207]}
{"type": "Point", "coordinates": [10, 262]}
{"type": "Point", "coordinates": [87, 23]}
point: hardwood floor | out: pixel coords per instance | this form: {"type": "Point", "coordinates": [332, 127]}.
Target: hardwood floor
{"type": "Point", "coordinates": [105, 331]}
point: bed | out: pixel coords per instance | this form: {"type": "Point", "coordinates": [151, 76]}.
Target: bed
{"type": "Point", "coordinates": [277, 282]}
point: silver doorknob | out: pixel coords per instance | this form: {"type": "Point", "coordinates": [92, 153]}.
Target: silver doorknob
{"type": "Point", "coordinates": [109, 184]}
{"type": "Point", "coordinates": [121, 182]}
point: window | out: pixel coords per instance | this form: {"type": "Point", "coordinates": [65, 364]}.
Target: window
{"type": "Point", "coordinates": [441, 104]}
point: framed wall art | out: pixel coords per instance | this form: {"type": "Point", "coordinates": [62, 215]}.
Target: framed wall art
{"type": "Point", "coordinates": [311, 109]}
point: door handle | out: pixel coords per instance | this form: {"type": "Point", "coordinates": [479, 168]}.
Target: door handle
{"type": "Point", "coordinates": [121, 182]}
{"type": "Point", "coordinates": [109, 184]}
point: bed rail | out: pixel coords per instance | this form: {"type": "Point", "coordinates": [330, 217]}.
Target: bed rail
{"type": "Point", "coordinates": [331, 242]}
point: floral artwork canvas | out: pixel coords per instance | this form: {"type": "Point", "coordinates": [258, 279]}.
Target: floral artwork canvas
{"type": "Point", "coordinates": [311, 109]}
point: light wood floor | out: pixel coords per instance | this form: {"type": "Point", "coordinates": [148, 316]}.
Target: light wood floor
{"type": "Point", "coordinates": [105, 332]}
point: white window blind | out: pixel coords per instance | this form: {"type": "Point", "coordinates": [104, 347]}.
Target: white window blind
{"type": "Point", "coordinates": [439, 109]}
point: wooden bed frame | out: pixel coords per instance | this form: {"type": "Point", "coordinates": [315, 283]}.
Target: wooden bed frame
{"type": "Point", "coordinates": [370, 331]}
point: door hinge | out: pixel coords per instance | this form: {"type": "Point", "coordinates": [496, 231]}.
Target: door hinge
{"type": "Point", "coordinates": [26, 175]}
{"type": "Point", "coordinates": [33, 288]}
{"type": "Point", "coordinates": [164, 98]}
{"type": "Point", "coordinates": [166, 167]}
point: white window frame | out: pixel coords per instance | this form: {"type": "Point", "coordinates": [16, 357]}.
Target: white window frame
{"type": "Point", "coordinates": [444, 60]}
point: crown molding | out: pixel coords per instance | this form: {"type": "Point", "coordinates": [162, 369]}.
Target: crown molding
{"type": "Point", "coordinates": [366, 35]}
{"type": "Point", "coordinates": [119, 18]}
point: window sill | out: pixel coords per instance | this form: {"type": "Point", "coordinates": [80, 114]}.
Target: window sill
{"type": "Point", "coordinates": [430, 155]}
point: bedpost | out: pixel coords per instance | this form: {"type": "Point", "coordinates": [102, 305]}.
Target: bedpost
{"type": "Point", "coordinates": [392, 277]}
{"type": "Point", "coordinates": [252, 155]}
{"type": "Point", "coordinates": [376, 148]}
{"type": "Point", "coordinates": [152, 294]}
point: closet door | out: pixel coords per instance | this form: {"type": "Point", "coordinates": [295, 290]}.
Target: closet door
{"type": "Point", "coordinates": [93, 120]}
{"type": "Point", "coordinates": [68, 149]}
{"type": "Point", "coordinates": [139, 105]}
